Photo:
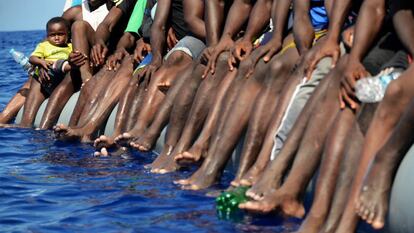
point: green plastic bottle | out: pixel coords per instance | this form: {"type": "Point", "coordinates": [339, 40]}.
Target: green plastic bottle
{"type": "Point", "coordinates": [227, 204]}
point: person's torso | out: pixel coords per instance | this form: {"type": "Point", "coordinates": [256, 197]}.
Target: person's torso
{"type": "Point", "coordinates": [94, 18]}
{"type": "Point", "coordinates": [176, 19]}
{"type": "Point", "coordinates": [54, 53]}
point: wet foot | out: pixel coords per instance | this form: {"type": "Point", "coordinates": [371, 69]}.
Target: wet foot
{"type": "Point", "coordinates": [276, 199]}
{"type": "Point", "coordinates": [104, 142]}
{"type": "Point", "coordinates": [124, 140]}
{"type": "Point", "coordinates": [65, 133]}
{"type": "Point", "coordinates": [251, 177]}
{"type": "Point", "coordinates": [103, 152]}
{"type": "Point", "coordinates": [191, 156]}
{"type": "Point", "coordinates": [199, 180]}
{"type": "Point", "coordinates": [263, 184]}
{"type": "Point", "coordinates": [168, 166]}
{"type": "Point", "coordinates": [161, 159]}
{"type": "Point", "coordinates": [372, 204]}
{"type": "Point", "coordinates": [145, 142]}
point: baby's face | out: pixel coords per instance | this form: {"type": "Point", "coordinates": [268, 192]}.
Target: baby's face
{"type": "Point", "coordinates": [57, 34]}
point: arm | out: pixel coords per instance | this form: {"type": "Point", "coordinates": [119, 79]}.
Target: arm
{"type": "Point", "coordinates": [125, 44]}
{"type": "Point", "coordinates": [193, 16]}
{"type": "Point", "coordinates": [404, 23]}
{"type": "Point", "coordinates": [368, 25]}
{"type": "Point", "coordinates": [302, 26]}
{"type": "Point", "coordinates": [37, 61]}
{"type": "Point", "coordinates": [214, 17]}
{"type": "Point", "coordinates": [158, 30]}
{"type": "Point", "coordinates": [103, 33]}
{"type": "Point", "coordinates": [238, 15]}
{"type": "Point", "coordinates": [73, 14]}
{"type": "Point", "coordinates": [329, 46]}
{"type": "Point", "coordinates": [259, 18]}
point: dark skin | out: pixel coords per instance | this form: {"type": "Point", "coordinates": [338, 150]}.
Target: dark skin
{"type": "Point", "coordinates": [257, 127]}
{"type": "Point", "coordinates": [178, 62]}
{"type": "Point", "coordinates": [196, 151]}
{"type": "Point", "coordinates": [166, 163]}
{"type": "Point", "coordinates": [372, 204]}
{"type": "Point", "coordinates": [82, 37]}
{"type": "Point", "coordinates": [57, 35]}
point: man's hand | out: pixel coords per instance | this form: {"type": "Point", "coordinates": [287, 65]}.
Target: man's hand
{"type": "Point", "coordinates": [115, 59]}
{"type": "Point", "coordinates": [265, 52]}
{"type": "Point", "coordinates": [171, 38]}
{"type": "Point", "coordinates": [141, 50]}
{"type": "Point", "coordinates": [146, 73]}
{"type": "Point", "coordinates": [241, 49]}
{"type": "Point", "coordinates": [354, 71]}
{"type": "Point", "coordinates": [225, 44]}
{"type": "Point", "coordinates": [325, 48]}
{"type": "Point", "coordinates": [98, 53]}
{"type": "Point", "coordinates": [77, 59]}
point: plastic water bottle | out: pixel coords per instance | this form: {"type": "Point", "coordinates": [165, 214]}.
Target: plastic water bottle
{"type": "Point", "coordinates": [227, 204]}
{"type": "Point", "coordinates": [20, 58]}
{"type": "Point", "coordinates": [372, 89]}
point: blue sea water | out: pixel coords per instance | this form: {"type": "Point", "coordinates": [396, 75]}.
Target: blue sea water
{"type": "Point", "coordinates": [49, 186]}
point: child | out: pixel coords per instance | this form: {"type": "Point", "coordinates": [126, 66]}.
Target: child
{"type": "Point", "coordinates": [50, 62]}
{"type": "Point", "coordinates": [50, 56]}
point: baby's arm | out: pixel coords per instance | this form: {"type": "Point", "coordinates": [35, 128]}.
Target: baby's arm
{"type": "Point", "coordinates": [42, 63]}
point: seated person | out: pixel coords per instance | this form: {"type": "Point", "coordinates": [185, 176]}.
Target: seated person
{"type": "Point", "coordinates": [50, 63]}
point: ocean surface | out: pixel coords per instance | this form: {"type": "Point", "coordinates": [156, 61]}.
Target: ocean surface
{"type": "Point", "coordinates": [50, 186]}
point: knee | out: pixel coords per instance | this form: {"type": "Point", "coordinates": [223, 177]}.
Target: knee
{"type": "Point", "coordinates": [79, 26]}
{"type": "Point", "coordinates": [278, 66]}
{"type": "Point", "coordinates": [176, 57]}
{"type": "Point", "coordinates": [223, 58]}
{"type": "Point", "coordinates": [394, 92]}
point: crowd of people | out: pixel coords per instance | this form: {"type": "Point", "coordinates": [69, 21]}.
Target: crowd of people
{"type": "Point", "coordinates": [278, 74]}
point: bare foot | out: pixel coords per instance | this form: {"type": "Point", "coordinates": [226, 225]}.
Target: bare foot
{"type": "Point", "coordinates": [263, 184]}
{"type": "Point", "coordinates": [124, 140]}
{"type": "Point", "coordinates": [201, 179]}
{"type": "Point", "coordinates": [372, 204]}
{"type": "Point", "coordinates": [161, 159]}
{"type": "Point", "coordinates": [145, 142]}
{"type": "Point", "coordinates": [169, 166]}
{"type": "Point", "coordinates": [273, 200]}
{"type": "Point", "coordinates": [251, 176]}
{"type": "Point", "coordinates": [104, 142]}
{"type": "Point", "coordinates": [191, 156]}
{"type": "Point", "coordinates": [65, 133]}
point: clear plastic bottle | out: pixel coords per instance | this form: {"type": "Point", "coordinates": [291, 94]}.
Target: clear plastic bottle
{"type": "Point", "coordinates": [372, 89]}
{"type": "Point", "coordinates": [20, 58]}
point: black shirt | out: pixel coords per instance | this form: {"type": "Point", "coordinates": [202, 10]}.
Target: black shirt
{"type": "Point", "coordinates": [176, 19]}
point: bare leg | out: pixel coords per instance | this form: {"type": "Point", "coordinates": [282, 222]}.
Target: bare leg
{"type": "Point", "coordinates": [188, 83]}
{"type": "Point", "coordinates": [33, 101]}
{"type": "Point", "coordinates": [303, 169]}
{"type": "Point", "coordinates": [329, 170]}
{"type": "Point", "coordinates": [59, 98]}
{"type": "Point", "coordinates": [15, 104]}
{"type": "Point", "coordinates": [397, 97]}
{"type": "Point", "coordinates": [230, 129]}
{"type": "Point", "coordinates": [103, 108]}
{"type": "Point", "coordinates": [375, 193]}
{"type": "Point", "coordinates": [153, 97]}
{"type": "Point", "coordinates": [204, 96]}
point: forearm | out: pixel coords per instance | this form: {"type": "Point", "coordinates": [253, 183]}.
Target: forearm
{"type": "Point", "coordinates": [339, 13]}
{"type": "Point", "coordinates": [367, 27]}
{"type": "Point", "coordinates": [159, 30]}
{"type": "Point", "coordinates": [35, 61]}
{"type": "Point", "coordinates": [193, 16]}
{"type": "Point", "coordinates": [302, 26]}
{"type": "Point", "coordinates": [404, 25]}
{"type": "Point", "coordinates": [259, 18]}
{"type": "Point", "coordinates": [237, 17]}
{"type": "Point", "coordinates": [104, 30]}
{"type": "Point", "coordinates": [280, 14]}
{"type": "Point", "coordinates": [214, 18]}
{"type": "Point", "coordinates": [127, 42]}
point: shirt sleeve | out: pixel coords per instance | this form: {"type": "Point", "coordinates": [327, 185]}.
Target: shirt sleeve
{"type": "Point", "coordinates": [39, 51]}
{"type": "Point", "coordinates": [135, 21]}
